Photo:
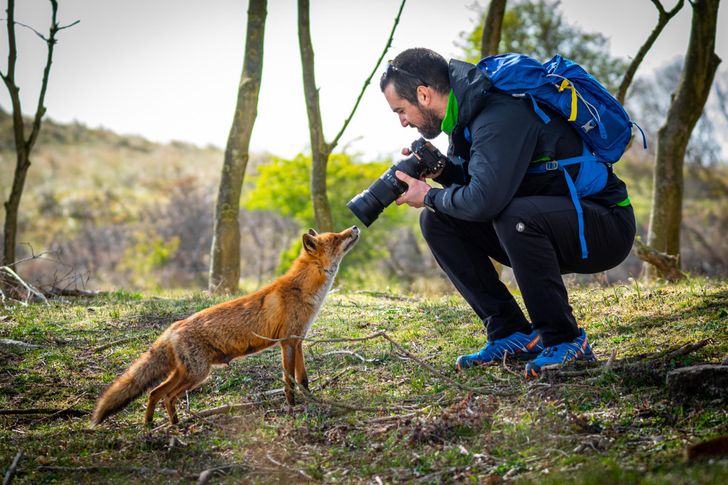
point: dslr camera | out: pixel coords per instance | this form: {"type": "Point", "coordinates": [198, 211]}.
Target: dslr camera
{"type": "Point", "coordinates": [425, 160]}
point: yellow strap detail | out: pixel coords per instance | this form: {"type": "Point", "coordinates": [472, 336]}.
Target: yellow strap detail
{"type": "Point", "coordinates": [564, 85]}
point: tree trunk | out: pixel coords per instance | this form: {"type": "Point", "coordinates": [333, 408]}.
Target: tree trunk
{"type": "Point", "coordinates": [23, 147]}
{"type": "Point", "coordinates": [489, 47]}
{"type": "Point", "coordinates": [492, 28]}
{"type": "Point", "coordinates": [225, 253]}
{"type": "Point", "coordinates": [689, 99]}
{"type": "Point", "coordinates": [320, 151]}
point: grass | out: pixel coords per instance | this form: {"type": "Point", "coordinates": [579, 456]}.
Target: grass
{"type": "Point", "coordinates": [420, 427]}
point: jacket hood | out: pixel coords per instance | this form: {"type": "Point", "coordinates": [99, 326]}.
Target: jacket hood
{"type": "Point", "coordinates": [470, 86]}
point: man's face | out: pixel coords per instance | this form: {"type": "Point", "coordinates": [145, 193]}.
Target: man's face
{"type": "Point", "coordinates": [424, 118]}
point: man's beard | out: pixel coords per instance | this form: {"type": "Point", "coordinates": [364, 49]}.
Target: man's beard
{"type": "Point", "coordinates": [431, 123]}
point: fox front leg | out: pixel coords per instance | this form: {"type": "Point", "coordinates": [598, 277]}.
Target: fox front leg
{"type": "Point", "coordinates": [288, 354]}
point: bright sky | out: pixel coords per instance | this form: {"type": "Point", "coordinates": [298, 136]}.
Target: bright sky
{"type": "Point", "coordinates": [169, 69]}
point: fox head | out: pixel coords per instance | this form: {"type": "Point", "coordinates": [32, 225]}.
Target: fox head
{"type": "Point", "coordinates": [330, 247]}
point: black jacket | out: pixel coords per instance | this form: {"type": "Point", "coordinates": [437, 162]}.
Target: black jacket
{"type": "Point", "coordinates": [505, 135]}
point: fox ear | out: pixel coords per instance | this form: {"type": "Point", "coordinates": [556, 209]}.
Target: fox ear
{"type": "Point", "coordinates": [309, 243]}
{"type": "Point", "coordinates": [312, 232]}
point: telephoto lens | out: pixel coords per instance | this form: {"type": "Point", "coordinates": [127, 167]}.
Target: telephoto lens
{"type": "Point", "coordinates": [386, 189]}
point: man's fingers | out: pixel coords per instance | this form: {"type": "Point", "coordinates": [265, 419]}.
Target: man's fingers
{"type": "Point", "coordinates": [406, 151]}
{"type": "Point", "coordinates": [403, 176]}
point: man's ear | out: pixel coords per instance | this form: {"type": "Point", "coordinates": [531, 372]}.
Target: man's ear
{"type": "Point", "coordinates": [309, 243]}
{"type": "Point", "coordinates": [312, 232]}
{"type": "Point", "coordinates": [424, 95]}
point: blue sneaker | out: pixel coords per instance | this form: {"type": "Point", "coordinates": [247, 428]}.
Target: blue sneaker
{"type": "Point", "coordinates": [560, 354]}
{"type": "Point", "coordinates": [523, 346]}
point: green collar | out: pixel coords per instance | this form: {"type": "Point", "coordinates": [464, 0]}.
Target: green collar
{"type": "Point", "coordinates": [451, 115]}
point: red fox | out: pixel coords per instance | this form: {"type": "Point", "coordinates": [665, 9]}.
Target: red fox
{"type": "Point", "coordinates": [180, 359]}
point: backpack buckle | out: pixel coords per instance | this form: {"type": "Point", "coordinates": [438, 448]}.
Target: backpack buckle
{"type": "Point", "coordinates": [552, 165]}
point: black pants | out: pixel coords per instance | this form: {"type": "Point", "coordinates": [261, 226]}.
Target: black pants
{"type": "Point", "coordinates": [538, 237]}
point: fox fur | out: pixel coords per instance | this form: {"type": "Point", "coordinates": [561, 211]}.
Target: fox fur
{"type": "Point", "coordinates": [181, 358]}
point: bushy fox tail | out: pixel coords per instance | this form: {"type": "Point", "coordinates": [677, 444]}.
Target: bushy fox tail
{"type": "Point", "coordinates": [146, 372]}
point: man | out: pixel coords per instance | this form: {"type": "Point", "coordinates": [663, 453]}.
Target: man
{"type": "Point", "coordinates": [490, 207]}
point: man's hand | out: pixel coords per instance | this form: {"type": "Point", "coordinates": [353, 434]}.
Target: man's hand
{"type": "Point", "coordinates": [407, 152]}
{"type": "Point", "coordinates": [415, 195]}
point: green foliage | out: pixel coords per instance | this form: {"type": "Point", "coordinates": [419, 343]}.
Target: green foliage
{"type": "Point", "coordinates": [538, 29]}
{"type": "Point", "coordinates": [283, 186]}
{"type": "Point", "coordinates": [149, 252]}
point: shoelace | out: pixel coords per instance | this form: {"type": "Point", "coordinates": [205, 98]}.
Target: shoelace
{"type": "Point", "coordinates": [572, 349]}
{"type": "Point", "coordinates": [509, 347]}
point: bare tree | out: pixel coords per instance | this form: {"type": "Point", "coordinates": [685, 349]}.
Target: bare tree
{"type": "Point", "coordinates": [225, 253]}
{"type": "Point", "coordinates": [701, 62]}
{"type": "Point", "coordinates": [662, 20]}
{"type": "Point", "coordinates": [492, 28]}
{"type": "Point", "coordinates": [23, 144]}
{"type": "Point", "coordinates": [320, 150]}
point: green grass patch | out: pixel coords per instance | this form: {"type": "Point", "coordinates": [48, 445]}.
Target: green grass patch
{"type": "Point", "coordinates": [378, 413]}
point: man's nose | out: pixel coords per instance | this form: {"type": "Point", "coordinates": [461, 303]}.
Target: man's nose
{"type": "Point", "coordinates": [403, 121]}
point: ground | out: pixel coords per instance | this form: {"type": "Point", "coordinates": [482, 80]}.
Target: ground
{"type": "Point", "coordinates": [389, 408]}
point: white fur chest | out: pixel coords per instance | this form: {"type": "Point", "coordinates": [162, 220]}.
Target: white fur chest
{"type": "Point", "coordinates": [318, 299]}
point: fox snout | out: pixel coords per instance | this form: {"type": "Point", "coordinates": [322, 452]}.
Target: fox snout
{"type": "Point", "coordinates": [353, 235]}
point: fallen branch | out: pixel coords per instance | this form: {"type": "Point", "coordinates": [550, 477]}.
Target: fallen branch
{"type": "Point", "coordinates": [6, 342]}
{"type": "Point", "coordinates": [349, 352]}
{"type": "Point", "coordinates": [32, 291]}
{"type": "Point", "coordinates": [101, 468]}
{"type": "Point", "coordinates": [207, 475]}
{"type": "Point", "coordinates": [643, 360]}
{"type": "Point", "coordinates": [8, 479]}
{"type": "Point", "coordinates": [56, 291]}
{"type": "Point", "coordinates": [52, 411]}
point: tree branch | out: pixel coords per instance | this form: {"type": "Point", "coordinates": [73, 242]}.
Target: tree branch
{"type": "Point", "coordinates": [662, 20]}
{"type": "Point", "coordinates": [333, 144]}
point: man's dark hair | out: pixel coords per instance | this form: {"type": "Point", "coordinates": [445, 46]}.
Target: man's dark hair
{"type": "Point", "coordinates": [416, 67]}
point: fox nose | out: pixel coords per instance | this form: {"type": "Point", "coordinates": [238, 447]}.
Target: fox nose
{"type": "Point", "coordinates": [354, 230]}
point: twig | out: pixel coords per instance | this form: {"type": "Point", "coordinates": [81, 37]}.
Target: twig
{"type": "Point", "coordinates": [63, 411]}
{"type": "Point", "coordinates": [309, 397]}
{"type": "Point", "coordinates": [320, 341]}
{"type": "Point", "coordinates": [13, 467]}
{"type": "Point", "coordinates": [505, 365]}
{"type": "Point", "coordinates": [646, 359]}
{"type": "Point", "coordinates": [349, 352]}
{"type": "Point", "coordinates": [427, 366]}
{"type": "Point", "coordinates": [28, 286]}
{"type": "Point", "coordinates": [369, 79]}
{"type": "Point", "coordinates": [101, 468]}
{"type": "Point", "coordinates": [382, 334]}
{"type": "Point", "coordinates": [335, 378]}
{"type": "Point", "coordinates": [610, 361]}
{"type": "Point", "coordinates": [52, 411]}
{"type": "Point", "coordinates": [207, 475]}
{"type": "Point", "coordinates": [391, 418]}
{"type": "Point", "coordinates": [680, 351]}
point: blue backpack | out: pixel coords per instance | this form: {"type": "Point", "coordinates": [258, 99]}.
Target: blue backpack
{"type": "Point", "coordinates": [573, 93]}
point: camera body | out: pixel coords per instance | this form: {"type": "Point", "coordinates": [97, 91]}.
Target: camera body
{"type": "Point", "coordinates": [425, 159]}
